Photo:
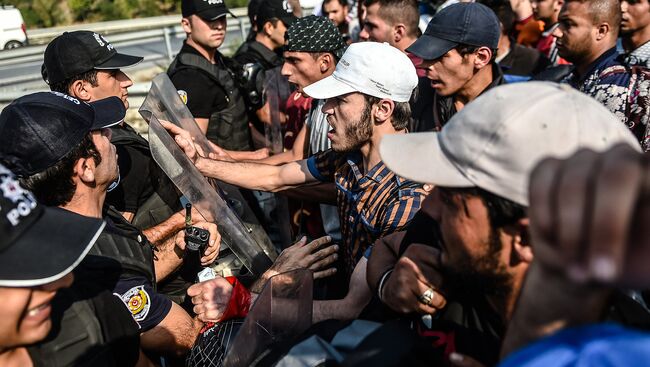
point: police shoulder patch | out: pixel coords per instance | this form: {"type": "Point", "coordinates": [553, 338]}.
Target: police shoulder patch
{"type": "Point", "coordinates": [138, 302]}
{"type": "Point", "coordinates": [183, 95]}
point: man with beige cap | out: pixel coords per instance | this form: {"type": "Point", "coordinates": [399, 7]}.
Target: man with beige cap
{"type": "Point", "coordinates": [470, 274]}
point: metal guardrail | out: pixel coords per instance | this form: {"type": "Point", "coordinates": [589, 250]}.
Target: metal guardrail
{"type": "Point", "coordinates": [122, 34]}
{"type": "Point", "coordinates": [45, 35]}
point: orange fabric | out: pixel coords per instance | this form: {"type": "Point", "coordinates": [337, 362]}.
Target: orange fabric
{"type": "Point", "coordinates": [529, 31]}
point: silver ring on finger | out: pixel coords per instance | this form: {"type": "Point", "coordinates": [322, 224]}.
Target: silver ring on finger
{"type": "Point", "coordinates": [426, 297]}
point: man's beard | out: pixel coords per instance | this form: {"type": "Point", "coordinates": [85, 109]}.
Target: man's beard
{"type": "Point", "coordinates": [484, 276]}
{"type": "Point", "coordinates": [358, 133]}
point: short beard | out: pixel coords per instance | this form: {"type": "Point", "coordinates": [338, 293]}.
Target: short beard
{"type": "Point", "coordinates": [485, 276]}
{"type": "Point", "coordinates": [358, 133]}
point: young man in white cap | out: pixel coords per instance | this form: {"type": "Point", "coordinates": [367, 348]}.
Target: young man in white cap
{"type": "Point", "coordinates": [480, 165]}
{"type": "Point", "coordinates": [366, 101]}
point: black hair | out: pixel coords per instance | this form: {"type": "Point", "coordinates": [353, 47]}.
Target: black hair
{"type": "Point", "coordinates": [89, 76]}
{"type": "Point", "coordinates": [501, 211]}
{"type": "Point", "coordinates": [343, 3]}
{"type": "Point", "coordinates": [399, 11]}
{"type": "Point", "coordinates": [464, 49]}
{"type": "Point", "coordinates": [401, 116]}
{"type": "Point", "coordinates": [54, 186]}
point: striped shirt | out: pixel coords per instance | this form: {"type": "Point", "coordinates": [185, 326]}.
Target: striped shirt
{"type": "Point", "coordinates": [370, 205]}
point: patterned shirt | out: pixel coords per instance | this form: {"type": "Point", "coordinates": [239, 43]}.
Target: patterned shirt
{"type": "Point", "coordinates": [370, 205]}
{"type": "Point", "coordinates": [611, 83]}
{"type": "Point", "coordinates": [640, 56]}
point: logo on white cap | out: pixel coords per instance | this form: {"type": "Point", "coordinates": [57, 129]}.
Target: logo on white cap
{"type": "Point", "coordinates": [214, 2]}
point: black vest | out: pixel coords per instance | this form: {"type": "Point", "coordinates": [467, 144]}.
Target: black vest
{"type": "Point", "coordinates": [227, 128]}
{"type": "Point", "coordinates": [164, 201]}
{"type": "Point", "coordinates": [125, 244]}
{"type": "Point", "coordinates": [91, 327]}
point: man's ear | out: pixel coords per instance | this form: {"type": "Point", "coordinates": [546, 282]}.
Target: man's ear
{"type": "Point", "coordinates": [399, 32]}
{"type": "Point", "coordinates": [483, 57]}
{"type": "Point", "coordinates": [522, 246]}
{"type": "Point", "coordinates": [602, 30]}
{"type": "Point", "coordinates": [268, 28]}
{"type": "Point", "coordinates": [383, 110]}
{"type": "Point", "coordinates": [325, 62]}
{"type": "Point", "coordinates": [79, 89]}
{"type": "Point", "coordinates": [187, 25]}
{"type": "Point", "coordinates": [84, 170]}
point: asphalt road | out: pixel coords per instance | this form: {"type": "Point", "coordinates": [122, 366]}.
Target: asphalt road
{"type": "Point", "coordinates": [153, 52]}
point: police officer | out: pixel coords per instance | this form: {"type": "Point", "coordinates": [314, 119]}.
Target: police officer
{"type": "Point", "coordinates": [61, 146]}
{"type": "Point", "coordinates": [85, 65]}
{"type": "Point", "coordinates": [31, 289]}
{"type": "Point", "coordinates": [203, 77]}
{"type": "Point", "coordinates": [260, 58]}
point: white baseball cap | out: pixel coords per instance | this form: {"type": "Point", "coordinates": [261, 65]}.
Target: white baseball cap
{"type": "Point", "coordinates": [372, 68]}
{"type": "Point", "coordinates": [495, 141]}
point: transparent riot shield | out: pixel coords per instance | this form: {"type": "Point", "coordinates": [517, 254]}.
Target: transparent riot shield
{"type": "Point", "coordinates": [282, 311]}
{"type": "Point", "coordinates": [187, 178]}
{"type": "Point", "coordinates": [163, 102]}
{"type": "Point", "coordinates": [276, 90]}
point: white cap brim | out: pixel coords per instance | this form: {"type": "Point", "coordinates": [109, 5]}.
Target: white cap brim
{"type": "Point", "coordinates": [328, 88]}
{"type": "Point", "coordinates": [419, 157]}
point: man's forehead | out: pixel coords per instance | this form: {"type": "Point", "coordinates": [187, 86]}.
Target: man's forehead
{"type": "Point", "coordinates": [332, 5]}
{"type": "Point", "coordinates": [296, 54]}
{"type": "Point", "coordinates": [572, 8]}
{"type": "Point", "coordinates": [374, 18]}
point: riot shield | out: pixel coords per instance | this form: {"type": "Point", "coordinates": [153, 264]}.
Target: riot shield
{"type": "Point", "coordinates": [163, 102]}
{"type": "Point", "coordinates": [276, 90]}
{"type": "Point", "coordinates": [187, 178]}
{"type": "Point", "coordinates": [282, 311]}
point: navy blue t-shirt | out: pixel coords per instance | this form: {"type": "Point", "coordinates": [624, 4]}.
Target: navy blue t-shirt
{"type": "Point", "coordinates": [147, 307]}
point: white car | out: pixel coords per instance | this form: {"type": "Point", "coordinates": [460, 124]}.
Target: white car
{"type": "Point", "coordinates": [12, 28]}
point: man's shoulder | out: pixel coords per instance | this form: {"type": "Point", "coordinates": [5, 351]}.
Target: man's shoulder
{"type": "Point", "coordinates": [246, 54]}
{"type": "Point", "coordinates": [406, 189]}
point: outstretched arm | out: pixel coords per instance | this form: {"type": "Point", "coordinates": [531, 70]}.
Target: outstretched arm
{"type": "Point", "coordinates": [255, 176]}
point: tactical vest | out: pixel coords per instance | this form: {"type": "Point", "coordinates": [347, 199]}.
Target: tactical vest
{"type": "Point", "coordinates": [227, 128]}
{"type": "Point", "coordinates": [79, 337]}
{"type": "Point", "coordinates": [155, 209]}
{"type": "Point", "coordinates": [126, 244]}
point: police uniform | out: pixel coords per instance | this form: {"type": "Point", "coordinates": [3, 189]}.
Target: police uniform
{"type": "Point", "coordinates": [144, 188]}
{"type": "Point", "coordinates": [211, 91]}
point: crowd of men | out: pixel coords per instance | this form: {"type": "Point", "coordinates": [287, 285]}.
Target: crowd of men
{"type": "Point", "coordinates": [473, 193]}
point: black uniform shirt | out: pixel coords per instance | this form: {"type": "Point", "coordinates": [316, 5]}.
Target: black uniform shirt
{"type": "Point", "coordinates": [202, 95]}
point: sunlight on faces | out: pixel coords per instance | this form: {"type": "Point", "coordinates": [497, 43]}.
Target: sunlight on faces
{"type": "Point", "coordinates": [335, 12]}
{"type": "Point", "coordinates": [350, 118]}
{"type": "Point", "coordinates": [449, 73]}
{"type": "Point", "coordinates": [107, 171]}
{"type": "Point", "coordinates": [635, 15]}
{"type": "Point", "coordinates": [375, 28]}
{"type": "Point", "coordinates": [110, 83]}
{"type": "Point", "coordinates": [472, 253]}
{"type": "Point", "coordinates": [575, 32]}
{"type": "Point", "coordinates": [25, 313]}
{"type": "Point", "coordinates": [301, 69]}
{"type": "Point", "coordinates": [207, 34]}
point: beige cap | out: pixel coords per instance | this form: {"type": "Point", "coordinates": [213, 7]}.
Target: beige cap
{"type": "Point", "coordinates": [495, 141]}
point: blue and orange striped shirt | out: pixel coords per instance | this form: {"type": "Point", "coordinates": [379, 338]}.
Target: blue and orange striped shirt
{"type": "Point", "coordinates": [370, 205]}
